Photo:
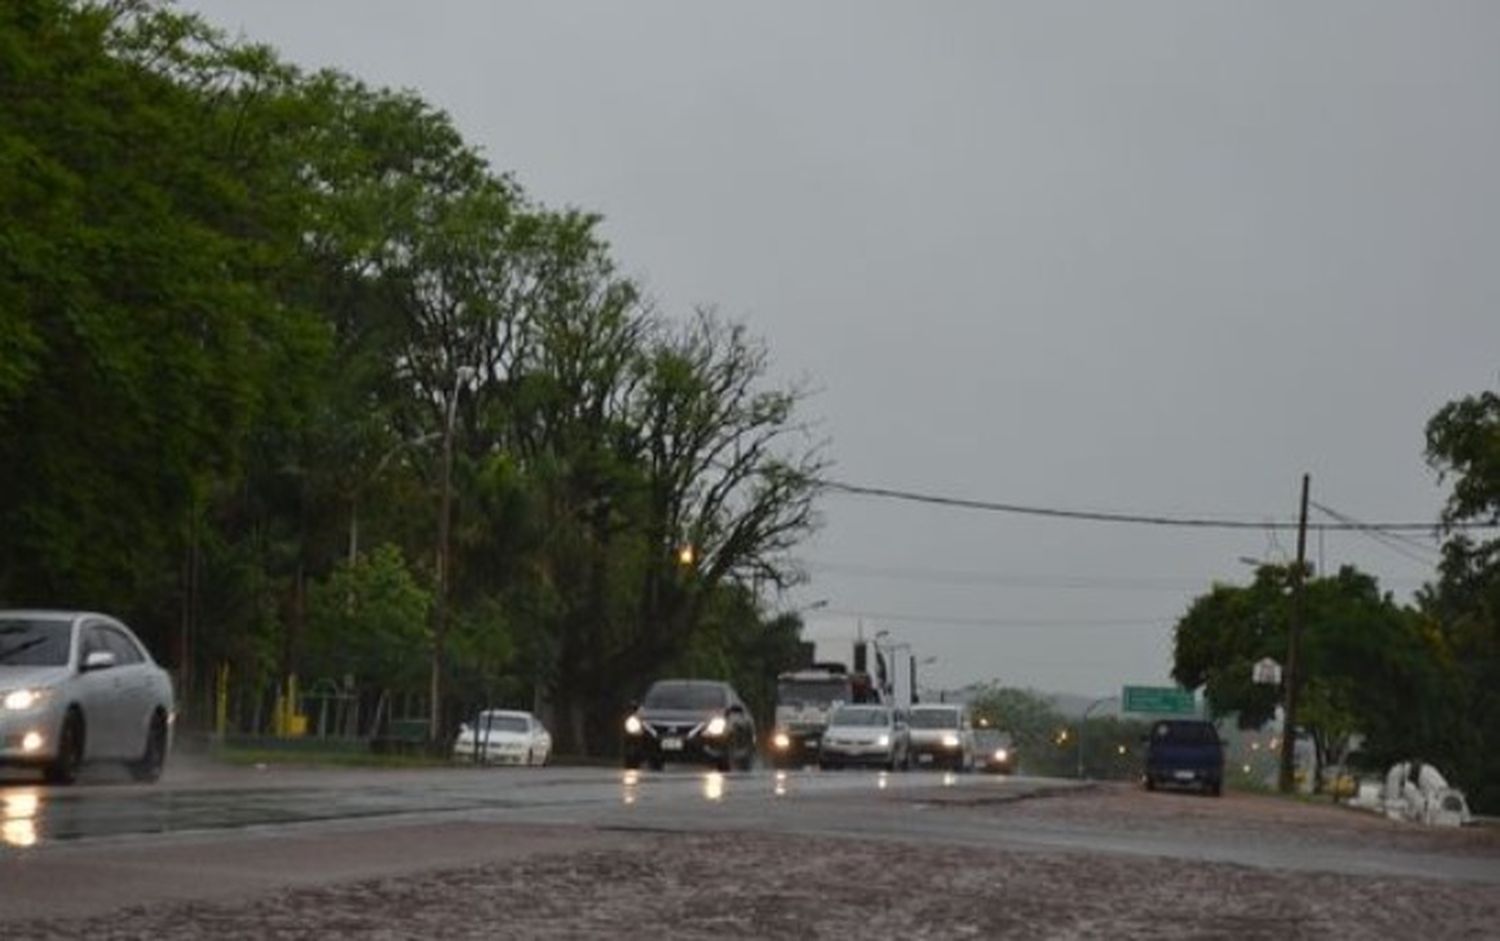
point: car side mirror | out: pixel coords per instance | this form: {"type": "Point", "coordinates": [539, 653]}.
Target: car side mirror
{"type": "Point", "coordinates": [98, 660]}
{"type": "Point", "coordinates": [735, 710]}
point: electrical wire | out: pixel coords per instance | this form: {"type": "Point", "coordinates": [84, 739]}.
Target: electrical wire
{"type": "Point", "coordinates": [918, 618]}
{"type": "Point", "coordinates": [1394, 542]}
{"type": "Point", "coordinates": [1186, 522]}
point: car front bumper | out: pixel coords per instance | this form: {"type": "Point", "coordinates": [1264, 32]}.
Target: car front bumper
{"type": "Point", "coordinates": [695, 749]}
{"type": "Point", "coordinates": [15, 727]}
{"type": "Point", "coordinates": [855, 754]}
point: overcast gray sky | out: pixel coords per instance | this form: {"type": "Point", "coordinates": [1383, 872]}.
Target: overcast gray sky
{"type": "Point", "coordinates": [1150, 257]}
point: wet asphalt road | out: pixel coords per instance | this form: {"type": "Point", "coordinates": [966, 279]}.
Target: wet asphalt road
{"type": "Point", "coordinates": [200, 798]}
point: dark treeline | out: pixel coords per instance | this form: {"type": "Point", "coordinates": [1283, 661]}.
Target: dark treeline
{"type": "Point", "coordinates": [295, 382]}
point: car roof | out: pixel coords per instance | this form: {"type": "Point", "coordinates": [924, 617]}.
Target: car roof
{"type": "Point", "coordinates": [935, 706]}
{"type": "Point", "coordinates": [51, 614]}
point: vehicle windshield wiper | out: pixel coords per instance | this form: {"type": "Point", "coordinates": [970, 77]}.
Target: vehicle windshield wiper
{"type": "Point", "coordinates": [23, 645]}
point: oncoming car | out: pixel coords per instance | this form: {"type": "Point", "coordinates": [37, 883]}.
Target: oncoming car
{"type": "Point", "coordinates": [942, 736]}
{"type": "Point", "coordinates": [865, 735]}
{"type": "Point", "coordinates": [693, 721]}
{"type": "Point", "coordinates": [504, 737]}
{"type": "Point", "coordinates": [994, 751]}
{"type": "Point", "coordinates": [79, 687]}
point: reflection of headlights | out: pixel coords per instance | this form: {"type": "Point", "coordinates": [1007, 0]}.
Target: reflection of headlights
{"type": "Point", "coordinates": [633, 725]}
{"type": "Point", "coordinates": [22, 699]}
{"type": "Point", "coordinates": [950, 741]}
{"type": "Point", "coordinates": [716, 726]}
{"type": "Point", "coordinates": [883, 741]}
{"type": "Point", "coordinates": [1001, 754]}
{"type": "Point", "coordinates": [782, 740]}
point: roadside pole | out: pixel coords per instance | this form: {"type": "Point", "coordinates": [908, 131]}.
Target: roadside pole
{"type": "Point", "coordinates": [1287, 780]}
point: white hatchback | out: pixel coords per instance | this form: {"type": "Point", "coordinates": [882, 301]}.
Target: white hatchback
{"type": "Point", "coordinates": [79, 687]}
{"type": "Point", "coordinates": [505, 737]}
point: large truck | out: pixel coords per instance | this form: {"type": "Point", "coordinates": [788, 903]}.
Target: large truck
{"type": "Point", "coordinates": [805, 699]}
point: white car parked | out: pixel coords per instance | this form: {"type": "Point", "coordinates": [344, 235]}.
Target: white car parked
{"type": "Point", "coordinates": [79, 687]}
{"type": "Point", "coordinates": [505, 737]}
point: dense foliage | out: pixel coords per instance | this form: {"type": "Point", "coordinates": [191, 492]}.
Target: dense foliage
{"type": "Point", "coordinates": [1418, 681]}
{"type": "Point", "coordinates": [297, 383]}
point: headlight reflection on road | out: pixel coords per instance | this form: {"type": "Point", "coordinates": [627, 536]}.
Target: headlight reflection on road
{"type": "Point", "coordinates": [18, 818]}
{"type": "Point", "coordinates": [881, 781]}
{"type": "Point", "coordinates": [630, 784]}
{"type": "Point", "coordinates": [713, 786]}
{"type": "Point", "coordinates": [949, 779]}
{"type": "Point", "coordinates": [780, 784]}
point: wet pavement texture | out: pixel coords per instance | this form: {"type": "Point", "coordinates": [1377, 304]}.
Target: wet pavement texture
{"type": "Point", "coordinates": [925, 807]}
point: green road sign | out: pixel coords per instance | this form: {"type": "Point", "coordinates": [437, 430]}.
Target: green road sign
{"type": "Point", "coordinates": [1160, 700]}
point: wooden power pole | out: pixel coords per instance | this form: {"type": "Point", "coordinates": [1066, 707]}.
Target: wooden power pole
{"type": "Point", "coordinates": [1287, 780]}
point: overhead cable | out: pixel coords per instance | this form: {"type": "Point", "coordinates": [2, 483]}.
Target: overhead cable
{"type": "Point", "coordinates": [1185, 522]}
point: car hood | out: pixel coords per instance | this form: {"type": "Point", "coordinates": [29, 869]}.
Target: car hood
{"type": "Point", "coordinates": [679, 716]}
{"type": "Point", "coordinates": [497, 737]}
{"type": "Point", "coordinates": [24, 677]}
{"type": "Point", "coordinates": [931, 735]}
{"type": "Point", "coordinates": [857, 733]}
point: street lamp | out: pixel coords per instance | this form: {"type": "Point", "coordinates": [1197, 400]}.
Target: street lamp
{"type": "Point", "coordinates": [445, 522]}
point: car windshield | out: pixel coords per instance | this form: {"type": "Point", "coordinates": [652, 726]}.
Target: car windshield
{"type": "Point", "coordinates": [1186, 733]}
{"type": "Point", "coordinates": [933, 719]}
{"type": "Point", "coordinates": [506, 723]}
{"type": "Point", "coordinates": [686, 697]}
{"type": "Point", "coordinates": [865, 716]}
{"type": "Point", "coordinates": [813, 692]}
{"type": "Point", "coordinates": [991, 738]}
{"type": "Point", "coordinates": [34, 643]}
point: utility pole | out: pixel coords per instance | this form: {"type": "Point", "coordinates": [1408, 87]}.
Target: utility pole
{"type": "Point", "coordinates": [1287, 780]}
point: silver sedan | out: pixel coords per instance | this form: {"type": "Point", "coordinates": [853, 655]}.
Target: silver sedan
{"type": "Point", "coordinates": [79, 687]}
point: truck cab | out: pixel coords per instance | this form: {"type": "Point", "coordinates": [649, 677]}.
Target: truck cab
{"type": "Point", "coordinates": [805, 700]}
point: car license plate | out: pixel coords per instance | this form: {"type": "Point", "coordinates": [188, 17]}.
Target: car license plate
{"type": "Point", "coordinates": [1183, 775]}
{"type": "Point", "coordinates": [671, 744]}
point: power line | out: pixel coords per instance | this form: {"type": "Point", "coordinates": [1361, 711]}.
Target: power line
{"type": "Point", "coordinates": [1395, 542]}
{"type": "Point", "coordinates": [970, 577]}
{"type": "Point", "coordinates": [917, 618]}
{"type": "Point", "coordinates": [1185, 522]}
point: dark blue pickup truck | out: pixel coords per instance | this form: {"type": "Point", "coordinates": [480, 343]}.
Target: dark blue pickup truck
{"type": "Point", "coordinates": [1185, 753]}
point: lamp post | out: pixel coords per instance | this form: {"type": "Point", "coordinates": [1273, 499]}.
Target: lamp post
{"type": "Point", "coordinates": [445, 520]}
{"type": "Point", "coordinates": [1083, 725]}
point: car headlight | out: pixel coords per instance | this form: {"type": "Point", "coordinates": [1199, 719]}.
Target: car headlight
{"type": "Point", "coordinates": [1001, 754]}
{"type": "Point", "coordinates": [950, 741]}
{"type": "Point", "coordinates": [19, 700]}
{"type": "Point", "coordinates": [883, 741]}
{"type": "Point", "coordinates": [782, 740]}
{"type": "Point", "coordinates": [716, 726]}
{"type": "Point", "coordinates": [633, 725]}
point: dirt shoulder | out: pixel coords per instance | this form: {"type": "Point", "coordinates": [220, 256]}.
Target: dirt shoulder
{"type": "Point", "coordinates": [590, 883]}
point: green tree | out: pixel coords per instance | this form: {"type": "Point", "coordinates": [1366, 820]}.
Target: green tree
{"type": "Point", "coordinates": [1366, 662]}
{"type": "Point", "coordinates": [1463, 445]}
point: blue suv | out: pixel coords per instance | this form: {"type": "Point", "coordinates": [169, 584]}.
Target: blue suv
{"type": "Point", "coordinates": [1185, 753]}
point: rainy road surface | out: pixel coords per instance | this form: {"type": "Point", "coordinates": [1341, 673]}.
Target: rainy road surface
{"type": "Point", "coordinates": [210, 833]}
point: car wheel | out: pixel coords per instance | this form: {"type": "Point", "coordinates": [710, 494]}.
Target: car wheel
{"type": "Point", "coordinates": [64, 768]}
{"type": "Point", "coordinates": [148, 769]}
